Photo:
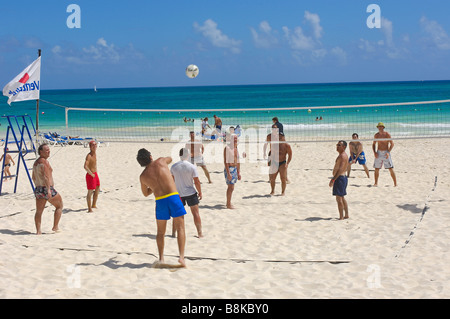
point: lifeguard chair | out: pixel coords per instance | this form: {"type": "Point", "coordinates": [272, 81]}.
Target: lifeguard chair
{"type": "Point", "coordinates": [22, 139]}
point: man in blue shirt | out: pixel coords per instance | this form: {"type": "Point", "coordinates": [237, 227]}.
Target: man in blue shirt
{"type": "Point", "coordinates": [276, 123]}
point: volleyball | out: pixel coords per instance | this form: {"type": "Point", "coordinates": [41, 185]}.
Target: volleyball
{"type": "Point", "coordinates": [192, 71]}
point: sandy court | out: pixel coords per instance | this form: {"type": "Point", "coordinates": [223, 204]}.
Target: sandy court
{"type": "Point", "coordinates": [395, 244]}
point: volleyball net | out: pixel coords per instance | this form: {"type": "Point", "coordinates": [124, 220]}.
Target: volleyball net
{"type": "Point", "coordinates": [409, 120]}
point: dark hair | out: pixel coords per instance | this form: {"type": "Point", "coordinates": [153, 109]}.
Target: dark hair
{"type": "Point", "coordinates": [143, 157]}
{"type": "Point", "coordinates": [40, 148]}
{"type": "Point", "coordinates": [343, 143]}
{"type": "Point", "coordinates": [184, 152]}
{"type": "Point", "coordinates": [275, 119]}
{"type": "Point", "coordinates": [355, 134]}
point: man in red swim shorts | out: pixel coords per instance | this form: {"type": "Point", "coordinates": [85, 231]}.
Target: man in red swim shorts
{"type": "Point", "coordinates": [92, 180]}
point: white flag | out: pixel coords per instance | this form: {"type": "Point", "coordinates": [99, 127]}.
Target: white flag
{"type": "Point", "coordinates": [25, 86]}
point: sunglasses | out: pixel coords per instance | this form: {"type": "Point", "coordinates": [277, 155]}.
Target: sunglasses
{"type": "Point", "coordinates": [338, 144]}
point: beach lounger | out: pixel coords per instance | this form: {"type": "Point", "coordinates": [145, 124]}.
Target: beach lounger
{"type": "Point", "coordinates": [49, 139]}
{"type": "Point", "coordinates": [74, 140]}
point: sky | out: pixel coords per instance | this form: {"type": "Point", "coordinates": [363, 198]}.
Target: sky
{"type": "Point", "coordinates": [234, 42]}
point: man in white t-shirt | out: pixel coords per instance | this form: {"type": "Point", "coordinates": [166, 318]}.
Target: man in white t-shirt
{"type": "Point", "coordinates": [185, 175]}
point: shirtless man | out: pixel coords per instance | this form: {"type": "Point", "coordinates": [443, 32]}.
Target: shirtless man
{"type": "Point", "coordinates": [157, 179]}
{"type": "Point", "coordinates": [92, 180]}
{"type": "Point", "coordinates": [44, 191]}
{"type": "Point", "coordinates": [339, 180]}
{"type": "Point", "coordinates": [383, 154]}
{"type": "Point", "coordinates": [356, 155]}
{"type": "Point", "coordinates": [279, 164]}
{"type": "Point", "coordinates": [8, 160]}
{"type": "Point", "coordinates": [217, 123]}
{"type": "Point", "coordinates": [274, 137]}
{"type": "Point", "coordinates": [232, 169]}
{"type": "Point", "coordinates": [196, 149]}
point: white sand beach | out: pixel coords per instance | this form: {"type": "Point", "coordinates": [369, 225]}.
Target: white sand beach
{"type": "Point", "coordinates": [394, 245]}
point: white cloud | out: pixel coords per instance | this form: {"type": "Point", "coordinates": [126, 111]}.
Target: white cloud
{"type": "Point", "coordinates": [340, 54]}
{"type": "Point", "coordinates": [314, 20]}
{"type": "Point", "coordinates": [366, 45]}
{"type": "Point", "coordinates": [298, 40]}
{"type": "Point", "coordinates": [56, 49]}
{"type": "Point", "coordinates": [99, 53]}
{"type": "Point", "coordinates": [385, 46]}
{"type": "Point", "coordinates": [319, 54]}
{"type": "Point", "coordinates": [102, 42]}
{"type": "Point", "coordinates": [436, 33]}
{"type": "Point", "coordinates": [392, 50]}
{"type": "Point", "coordinates": [266, 38]}
{"type": "Point", "coordinates": [387, 29]}
{"type": "Point", "coordinates": [306, 46]}
{"type": "Point", "coordinates": [217, 38]}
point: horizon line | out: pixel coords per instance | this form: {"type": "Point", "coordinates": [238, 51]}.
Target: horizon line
{"type": "Point", "coordinates": [236, 85]}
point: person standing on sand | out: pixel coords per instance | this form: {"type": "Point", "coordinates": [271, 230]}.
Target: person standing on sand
{"type": "Point", "coordinates": [218, 123]}
{"type": "Point", "coordinates": [92, 180]}
{"type": "Point", "coordinates": [196, 149]}
{"type": "Point", "coordinates": [383, 154]}
{"type": "Point", "coordinates": [274, 138]}
{"type": "Point", "coordinates": [186, 176]}
{"type": "Point", "coordinates": [205, 125]}
{"type": "Point", "coordinates": [279, 161]}
{"type": "Point", "coordinates": [217, 127]}
{"type": "Point", "coordinates": [276, 123]}
{"type": "Point", "coordinates": [8, 160]}
{"type": "Point", "coordinates": [232, 169]}
{"type": "Point", "coordinates": [44, 189]}
{"type": "Point", "coordinates": [339, 180]}
{"type": "Point", "coordinates": [356, 155]}
{"type": "Point", "coordinates": [157, 179]}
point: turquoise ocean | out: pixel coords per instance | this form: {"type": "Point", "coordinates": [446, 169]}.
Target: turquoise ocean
{"type": "Point", "coordinates": [298, 106]}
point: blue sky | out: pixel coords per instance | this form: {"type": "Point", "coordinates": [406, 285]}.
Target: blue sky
{"type": "Point", "coordinates": [150, 43]}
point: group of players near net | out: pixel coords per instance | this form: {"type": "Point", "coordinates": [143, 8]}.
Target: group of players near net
{"type": "Point", "coordinates": [174, 187]}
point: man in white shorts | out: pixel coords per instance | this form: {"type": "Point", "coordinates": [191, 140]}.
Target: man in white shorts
{"type": "Point", "coordinates": [196, 149]}
{"type": "Point", "coordinates": [185, 175]}
{"type": "Point", "coordinates": [383, 154]}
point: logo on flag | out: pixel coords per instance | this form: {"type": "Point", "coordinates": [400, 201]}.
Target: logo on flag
{"type": "Point", "coordinates": [26, 85]}
{"type": "Point", "coordinates": [25, 78]}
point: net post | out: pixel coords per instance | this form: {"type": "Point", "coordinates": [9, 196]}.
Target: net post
{"type": "Point", "coordinates": [66, 110]}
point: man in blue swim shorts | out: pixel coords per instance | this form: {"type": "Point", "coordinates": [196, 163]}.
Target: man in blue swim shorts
{"type": "Point", "coordinates": [339, 180]}
{"type": "Point", "coordinates": [157, 179]}
{"type": "Point", "coordinates": [233, 173]}
{"type": "Point", "coordinates": [356, 155]}
{"type": "Point", "coordinates": [232, 170]}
